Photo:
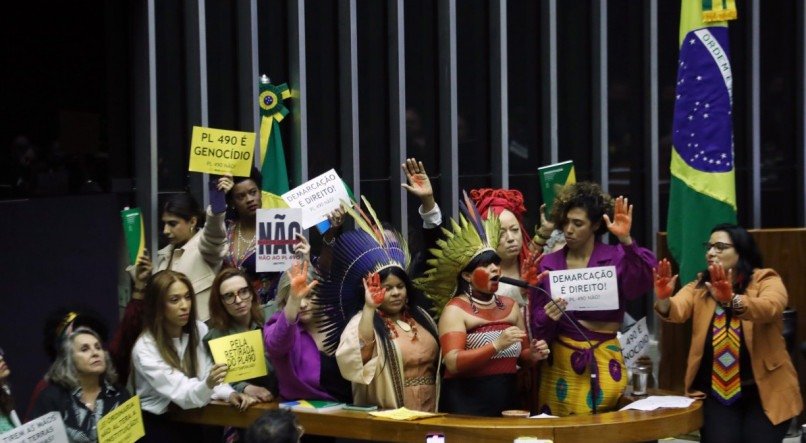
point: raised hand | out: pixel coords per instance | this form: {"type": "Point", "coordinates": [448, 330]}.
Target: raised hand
{"type": "Point", "coordinates": [374, 293]}
{"type": "Point", "coordinates": [302, 248]}
{"type": "Point", "coordinates": [664, 281]}
{"type": "Point", "coordinates": [336, 217]}
{"type": "Point", "coordinates": [419, 184]}
{"type": "Point", "coordinates": [622, 219]}
{"type": "Point", "coordinates": [720, 285]}
{"type": "Point", "coordinates": [298, 273]}
{"type": "Point", "coordinates": [529, 269]}
{"type": "Point", "coordinates": [142, 269]}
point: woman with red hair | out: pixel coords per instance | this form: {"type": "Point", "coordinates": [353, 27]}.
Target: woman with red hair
{"type": "Point", "coordinates": [513, 242]}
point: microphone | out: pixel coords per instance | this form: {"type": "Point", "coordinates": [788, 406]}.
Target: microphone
{"type": "Point", "coordinates": [523, 284]}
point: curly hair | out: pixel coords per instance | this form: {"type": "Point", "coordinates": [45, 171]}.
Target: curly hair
{"type": "Point", "coordinates": [63, 370]}
{"type": "Point", "coordinates": [588, 196]}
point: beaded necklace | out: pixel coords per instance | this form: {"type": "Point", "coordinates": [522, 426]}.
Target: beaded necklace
{"type": "Point", "coordinates": [407, 324]}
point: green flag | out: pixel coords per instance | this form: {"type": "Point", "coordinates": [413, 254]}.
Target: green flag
{"type": "Point", "coordinates": [272, 155]}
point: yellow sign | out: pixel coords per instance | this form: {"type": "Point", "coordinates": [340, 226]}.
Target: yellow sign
{"type": "Point", "coordinates": [220, 151]}
{"type": "Point", "coordinates": [243, 353]}
{"type": "Point", "coordinates": [123, 425]}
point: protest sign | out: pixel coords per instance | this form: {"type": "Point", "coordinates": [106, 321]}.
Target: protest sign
{"type": "Point", "coordinates": [586, 289]}
{"type": "Point", "coordinates": [48, 428]}
{"type": "Point", "coordinates": [243, 353]}
{"type": "Point", "coordinates": [276, 232]}
{"type": "Point", "coordinates": [220, 151]}
{"type": "Point", "coordinates": [634, 342]}
{"type": "Point", "coordinates": [123, 424]}
{"type": "Point", "coordinates": [317, 197]}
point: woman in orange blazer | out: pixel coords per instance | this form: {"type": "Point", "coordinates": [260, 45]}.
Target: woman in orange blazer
{"type": "Point", "coordinates": [738, 362]}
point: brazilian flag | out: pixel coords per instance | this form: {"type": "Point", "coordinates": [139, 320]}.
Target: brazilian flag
{"type": "Point", "coordinates": [272, 155]}
{"type": "Point", "coordinates": [702, 191]}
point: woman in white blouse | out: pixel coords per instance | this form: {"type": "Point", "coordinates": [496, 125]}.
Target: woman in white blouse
{"type": "Point", "coordinates": [169, 362]}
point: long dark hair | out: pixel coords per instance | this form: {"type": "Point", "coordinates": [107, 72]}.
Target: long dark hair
{"type": "Point", "coordinates": [415, 299]}
{"type": "Point", "coordinates": [154, 299]}
{"type": "Point", "coordinates": [746, 249]}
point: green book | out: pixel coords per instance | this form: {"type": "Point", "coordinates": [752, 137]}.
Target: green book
{"type": "Point", "coordinates": [133, 232]}
{"type": "Point", "coordinates": [552, 178]}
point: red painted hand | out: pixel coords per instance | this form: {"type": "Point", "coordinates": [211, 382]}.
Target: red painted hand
{"type": "Point", "coordinates": [664, 281]}
{"type": "Point", "coordinates": [721, 287]}
{"type": "Point", "coordinates": [373, 291]}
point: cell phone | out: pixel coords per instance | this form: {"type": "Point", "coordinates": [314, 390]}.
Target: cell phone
{"type": "Point", "coordinates": [435, 437]}
{"type": "Point", "coordinates": [352, 407]}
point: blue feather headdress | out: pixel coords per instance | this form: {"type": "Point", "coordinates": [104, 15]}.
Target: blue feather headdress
{"type": "Point", "coordinates": [356, 254]}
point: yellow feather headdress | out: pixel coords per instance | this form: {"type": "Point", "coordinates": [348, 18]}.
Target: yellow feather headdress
{"type": "Point", "coordinates": [463, 242]}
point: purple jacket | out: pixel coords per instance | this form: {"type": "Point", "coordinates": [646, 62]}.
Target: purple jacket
{"type": "Point", "coordinates": [634, 274]}
{"type": "Point", "coordinates": [295, 358]}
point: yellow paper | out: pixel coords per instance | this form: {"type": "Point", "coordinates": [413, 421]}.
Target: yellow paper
{"type": "Point", "coordinates": [123, 425]}
{"type": "Point", "coordinates": [220, 151]}
{"type": "Point", "coordinates": [403, 414]}
{"type": "Point", "coordinates": [243, 353]}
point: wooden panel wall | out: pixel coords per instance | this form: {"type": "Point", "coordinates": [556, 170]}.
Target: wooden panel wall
{"type": "Point", "coordinates": [783, 250]}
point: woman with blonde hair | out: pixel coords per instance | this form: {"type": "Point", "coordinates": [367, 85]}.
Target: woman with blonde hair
{"type": "Point", "coordinates": [82, 385]}
{"type": "Point", "coordinates": [169, 362]}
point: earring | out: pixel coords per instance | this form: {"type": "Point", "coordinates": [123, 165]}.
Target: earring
{"type": "Point", "coordinates": [470, 296]}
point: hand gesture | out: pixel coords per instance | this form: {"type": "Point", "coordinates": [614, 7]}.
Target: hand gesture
{"type": "Point", "coordinates": [336, 217]}
{"type": "Point", "coordinates": [419, 184]}
{"type": "Point", "coordinates": [539, 349]}
{"type": "Point", "coordinates": [241, 401]}
{"type": "Point", "coordinates": [216, 376]}
{"type": "Point", "coordinates": [510, 335]}
{"type": "Point", "coordinates": [298, 273]}
{"type": "Point", "coordinates": [546, 226]}
{"type": "Point", "coordinates": [302, 248]}
{"type": "Point", "coordinates": [374, 293]}
{"type": "Point", "coordinates": [142, 269]}
{"type": "Point", "coordinates": [664, 281]}
{"type": "Point", "coordinates": [720, 285]}
{"type": "Point", "coordinates": [554, 309]}
{"type": "Point", "coordinates": [225, 183]}
{"type": "Point", "coordinates": [529, 269]}
{"type": "Point", "coordinates": [622, 219]}
{"type": "Point", "coordinates": [259, 392]}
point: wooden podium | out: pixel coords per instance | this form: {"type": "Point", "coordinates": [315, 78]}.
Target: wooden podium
{"type": "Point", "coordinates": [623, 426]}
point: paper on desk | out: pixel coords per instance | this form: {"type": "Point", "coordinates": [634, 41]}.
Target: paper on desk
{"type": "Point", "coordinates": [659, 401]}
{"type": "Point", "coordinates": [544, 415]}
{"type": "Point", "coordinates": [403, 414]}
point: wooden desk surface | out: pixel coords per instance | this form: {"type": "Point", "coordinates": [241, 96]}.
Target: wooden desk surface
{"type": "Point", "coordinates": [607, 427]}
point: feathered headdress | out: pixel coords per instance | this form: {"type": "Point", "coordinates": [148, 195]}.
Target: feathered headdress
{"type": "Point", "coordinates": [463, 242]}
{"type": "Point", "coordinates": [356, 254]}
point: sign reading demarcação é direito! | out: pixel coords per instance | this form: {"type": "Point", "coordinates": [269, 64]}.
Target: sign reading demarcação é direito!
{"type": "Point", "coordinates": [586, 289]}
{"type": "Point", "coordinates": [221, 151]}
{"type": "Point", "coordinates": [317, 197]}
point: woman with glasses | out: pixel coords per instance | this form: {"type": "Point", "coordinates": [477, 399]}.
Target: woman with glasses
{"type": "Point", "coordinates": [82, 385]}
{"type": "Point", "coordinates": [8, 416]}
{"type": "Point", "coordinates": [587, 341]}
{"type": "Point", "coordinates": [170, 365]}
{"type": "Point", "coordinates": [235, 308]}
{"type": "Point", "coordinates": [737, 362]}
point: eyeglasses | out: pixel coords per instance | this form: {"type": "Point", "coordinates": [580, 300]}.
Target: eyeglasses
{"type": "Point", "coordinates": [244, 294]}
{"type": "Point", "coordinates": [719, 246]}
